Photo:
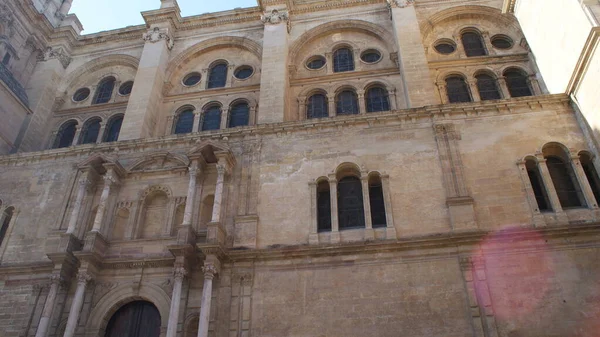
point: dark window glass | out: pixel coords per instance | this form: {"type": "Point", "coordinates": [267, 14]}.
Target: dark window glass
{"type": "Point", "coordinates": [6, 59]}
{"type": "Point", "coordinates": [592, 175]}
{"type": "Point", "coordinates": [343, 60]}
{"type": "Point", "coordinates": [125, 88]}
{"type": "Point", "coordinates": [104, 91]}
{"type": "Point", "coordinates": [351, 211]}
{"type": "Point", "coordinates": [8, 213]}
{"type": "Point", "coordinates": [323, 207]}
{"type": "Point", "coordinates": [81, 94]}
{"type": "Point", "coordinates": [564, 182]}
{"type": "Point", "coordinates": [211, 120]}
{"type": "Point", "coordinates": [192, 79]}
{"type": "Point", "coordinates": [90, 132]}
{"type": "Point", "coordinates": [185, 122]}
{"type": "Point", "coordinates": [239, 115]}
{"type": "Point", "coordinates": [378, 217]}
{"type": "Point", "coordinates": [538, 186]}
{"type": "Point", "coordinates": [136, 319]}
{"type": "Point", "coordinates": [316, 63]}
{"type": "Point", "coordinates": [244, 72]}
{"type": "Point", "coordinates": [114, 128]}
{"type": "Point", "coordinates": [371, 56]}
{"type": "Point", "coordinates": [65, 135]}
{"type": "Point", "coordinates": [346, 103]}
{"type": "Point", "coordinates": [218, 76]}
{"type": "Point", "coordinates": [377, 100]}
{"type": "Point", "coordinates": [501, 42]}
{"type": "Point", "coordinates": [516, 81]}
{"type": "Point", "coordinates": [487, 87]}
{"type": "Point", "coordinates": [458, 90]}
{"type": "Point", "coordinates": [445, 48]}
{"type": "Point", "coordinates": [473, 44]}
{"type": "Point", "coordinates": [317, 106]}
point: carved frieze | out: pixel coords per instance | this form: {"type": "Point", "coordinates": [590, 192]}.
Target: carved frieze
{"type": "Point", "coordinates": [276, 17]}
{"type": "Point", "coordinates": [55, 53]}
{"type": "Point", "coordinates": [157, 34]}
{"type": "Point", "coordinates": [400, 3]}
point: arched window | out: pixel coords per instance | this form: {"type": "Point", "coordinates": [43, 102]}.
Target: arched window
{"type": "Point", "coordinates": [565, 183]}
{"type": "Point", "coordinates": [377, 100]}
{"type": "Point", "coordinates": [217, 77]}
{"type": "Point", "coordinates": [6, 218]}
{"type": "Point", "coordinates": [91, 129]}
{"type": "Point", "coordinates": [378, 216]}
{"type": "Point", "coordinates": [343, 60]}
{"type": "Point", "coordinates": [351, 213]}
{"type": "Point", "coordinates": [457, 89]}
{"type": "Point", "coordinates": [211, 119]}
{"type": "Point", "coordinates": [114, 128]}
{"type": "Point", "coordinates": [65, 135]}
{"type": "Point", "coordinates": [541, 196]}
{"type": "Point", "coordinates": [473, 44]}
{"type": "Point", "coordinates": [346, 103]}
{"type": "Point", "coordinates": [239, 115]}
{"type": "Point", "coordinates": [517, 83]}
{"type": "Point", "coordinates": [135, 319]}
{"type": "Point", "coordinates": [184, 122]}
{"type": "Point", "coordinates": [487, 87]}
{"type": "Point", "coordinates": [104, 91]}
{"type": "Point", "coordinates": [592, 175]}
{"type": "Point", "coordinates": [317, 106]}
{"type": "Point", "coordinates": [323, 206]}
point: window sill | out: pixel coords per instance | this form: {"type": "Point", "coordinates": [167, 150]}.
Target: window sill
{"type": "Point", "coordinates": [356, 235]}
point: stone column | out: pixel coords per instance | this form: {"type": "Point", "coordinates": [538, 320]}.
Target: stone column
{"type": "Point", "coordinates": [335, 225]}
{"type": "Point", "coordinates": [101, 133]}
{"type": "Point", "coordinates": [331, 105]}
{"type": "Point", "coordinates": [84, 184]}
{"type": "Point", "coordinates": [301, 108]}
{"type": "Point", "coordinates": [313, 237]}
{"type": "Point", "coordinates": [77, 135]}
{"type": "Point", "coordinates": [537, 216]}
{"type": "Point", "coordinates": [230, 69]}
{"type": "Point", "coordinates": [474, 90]}
{"type": "Point", "coordinates": [535, 85]}
{"type": "Point", "coordinates": [197, 117]}
{"type": "Point", "coordinates": [586, 189]}
{"type": "Point", "coordinates": [83, 278]}
{"type": "Point", "coordinates": [362, 107]}
{"type": "Point", "coordinates": [189, 203]}
{"type": "Point", "coordinates": [274, 82]}
{"type": "Point", "coordinates": [221, 170]}
{"type": "Point", "coordinates": [204, 78]}
{"type": "Point", "coordinates": [224, 117]}
{"type": "Point", "coordinates": [414, 67]}
{"type": "Point", "coordinates": [329, 63]}
{"type": "Point", "coordinates": [55, 281]}
{"type": "Point", "coordinates": [393, 99]}
{"type": "Point", "coordinates": [387, 201]}
{"type": "Point", "coordinates": [369, 234]}
{"type": "Point", "coordinates": [551, 190]}
{"type": "Point", "coordinates": [110, 179]}
{"type": "Point", "coordinates": [209, 270]}
{"type": "Point", "coordinates": [178, 275]}
{"type": "Point", "coordinates": [503, 87]}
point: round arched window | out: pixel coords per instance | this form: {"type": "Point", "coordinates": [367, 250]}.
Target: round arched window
{"type": "Point", "coordinates": [316, 62]}
{"type": "Point", "coordinates": [191, 79]}
{"type": "Point", "coordinates": [243, 72]}
{"type": "Point", "coordinates": [370, 56]}
{"type": "Point", "coordinates": [445, 47]}
{"type": "Point", "coordinates": [81, 94]}
{"type": "Point", "coordinates": [502, 42]}
{"type": "Point", "coordinates": [125, 88]}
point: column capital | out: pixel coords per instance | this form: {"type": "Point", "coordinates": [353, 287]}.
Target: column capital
{"type": "Point", "coordinates": [84, 277]}
{"type": "Point", "coordinates": [179, 273]}
{"type": "Point", "coordinates": [110, 179]}
{"type": "Point", "coordinates": [210, 270]}
{"type": "Point", "coordinates": [156, 34]}
{"type": "Point", "coordinates": [57, 279]}
{"type": "Point", "coordinates": [400, 3]}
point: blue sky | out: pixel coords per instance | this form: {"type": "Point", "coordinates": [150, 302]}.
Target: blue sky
{"type": "Point", "coordinates": [97, 16]}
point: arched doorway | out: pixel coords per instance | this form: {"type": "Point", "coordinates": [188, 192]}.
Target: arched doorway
{"type": "Point", "coordinates": [135, 319]}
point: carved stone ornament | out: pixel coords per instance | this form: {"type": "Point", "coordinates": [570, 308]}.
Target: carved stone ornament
{"type": "Point", "coordinates": [400, 3]}
{"type": "Point", "coordinates": [156, 34]}
{"type": "Point", "coordinates": [55, 53]}
{"type": "Point", "coordinates": [84, 277]}
{"type": "Point", "coordinates": [275, 17]}
{"type": "Point", "coordinates": [209, 271]}
{"type": "Point", "coordinates": [179, 273]}
{"type": "Point", "coordinates": [7, 18]}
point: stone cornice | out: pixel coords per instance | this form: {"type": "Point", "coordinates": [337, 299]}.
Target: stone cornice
{"type": "Point", "coordinates": [406, 119]}
{"type": "Point", "coordinates": [480, 61]}
{"type": "Point", "coordinates": [330, 5]}
{"type": "Point", "coordinates": [212, 92]}
{"type": "Point", "coordinates": [92, 108]}
{"type": "Point", "coordinates": [585, 58]}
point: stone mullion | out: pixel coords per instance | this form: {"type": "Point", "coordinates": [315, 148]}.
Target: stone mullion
{"type": "Point", "coordinates": [101, 133]}
{"type": "Point", "coordinates": [474, 90]}
{"type": "Point", "coordinates": [362, 108]}
{"type": "Point", "coordinates": [313, 237]}
{"type": "Point", "coordinates": [369, 234]}
{"type": "Point", "coordinates": [84, 185]}
{"type": "Point", "coordinates": [224, 118]}
{"type": "Point", "coordinates": [252, 118]}
{"type": "Point", "coordinates": [335, 226]}
{"type": "Point", "coordinates": [196, 123]}
{"type": "Point", "coordinates": [191, 195]}
{"type": "Point", "coordinates": [537, 216]}
{"type": "Point", "coordinates": [503, 87]}
{"type": "Point", "coordinates": [230, 69]}
{"type": "Point", "coordinates": [586, 189]}
{"type": "Point", "coordinates": [549, 186]}
{"type": "Point", "coordinates": [535, 85]}
{"type": "Point", "coordinates": [387, 200]}
{"type": "Point", "coordinates": [204, 78]}
{"type": "Point", "coordinates": [329, 62]}
{"type": "Point", "coordinates": [331, 105]}
{"type": "Point", "coordinates": [444, 153]}
{"type": "Point", "coordinates": [77, 135]}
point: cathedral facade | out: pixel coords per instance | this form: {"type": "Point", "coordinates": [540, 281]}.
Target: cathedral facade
{"type": "Point", "coordinates": [302, 168]}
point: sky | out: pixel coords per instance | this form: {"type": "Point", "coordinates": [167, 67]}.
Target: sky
{"type": "Point", "coordinates": [102, 15]}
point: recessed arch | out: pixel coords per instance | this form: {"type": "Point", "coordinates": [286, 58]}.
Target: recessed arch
{"type": "Point", "coordinates": [347, 169]}
{"type": "Point", "coordinates": [97, 64]}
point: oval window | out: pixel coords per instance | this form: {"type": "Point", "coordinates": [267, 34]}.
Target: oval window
{"type": "Point", "coordinates": [125, 88]}
{"type": "Point", "coordinates": [370, 56]}
{"type": "Point", "coordinates": [191, 79]}
{"type": "Point", "coordinates": [81, 94]}
{"type": "Point", "coordinates": [502, 42]}
{"type": "Point", "coordinates": [445, 47]}
{"type": "Point", "coordinates": [316, 62]}
{"type": "Point", "coordinates": [243, 72]}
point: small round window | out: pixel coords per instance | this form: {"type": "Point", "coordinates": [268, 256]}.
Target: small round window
{"type": "Point", "coordinates": [81, 94]}
{"type": "Point", "coordinates": [125, 88]}
{"type": "Point", "coordinates": [316, 62]}
{"type": "Point", "coordinates": [445, 47]}
{"type": "Point", "coordinates": [191, 79]}
{"type": "Point", "coordinates": [502, 42]}
{"type": "Point", "coordinates": [243, 72]}
{"type": "Point", "coordinates": [371, 56]}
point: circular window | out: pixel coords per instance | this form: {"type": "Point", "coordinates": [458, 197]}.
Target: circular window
{"type": "Point", "coordinates": [502, 42]}
{"type": "Point", "coordinates": [370, 56]}
{"type": "Point", "coordinates": [125, 88]}
{"type": "Point", "coordinates": [191, 79]}
{"type": "Point", "coordinates": [445, 47]}
{"type": "Point", "coordinates": [316, 62]}
{"type": "Point", "coordinates": [243, 72]}
{"type": "Point", "coordinates": [81, 94]}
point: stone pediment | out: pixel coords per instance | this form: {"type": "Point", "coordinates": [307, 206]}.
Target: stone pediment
{"type": "Point", "coordinates": [162, 161]}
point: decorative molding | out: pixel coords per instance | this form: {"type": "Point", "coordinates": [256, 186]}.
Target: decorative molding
{"type": "Point", "coordinates": [157, 34]}
{"type": "Point", "coordinates": [58, 53]}
{"type": "Point", "coordinates": [400, 3]}
{"type": "Point", "coordinates": [84, 277]}
{"type": "Point", "coordinates": [179, 273]}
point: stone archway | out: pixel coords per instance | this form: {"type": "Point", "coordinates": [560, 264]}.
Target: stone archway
{"type": "Point", "coordinates": [135, 319]}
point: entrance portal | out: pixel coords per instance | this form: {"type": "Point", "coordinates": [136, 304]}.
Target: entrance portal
{"type": "Point", "coordinates": [135, 319]}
